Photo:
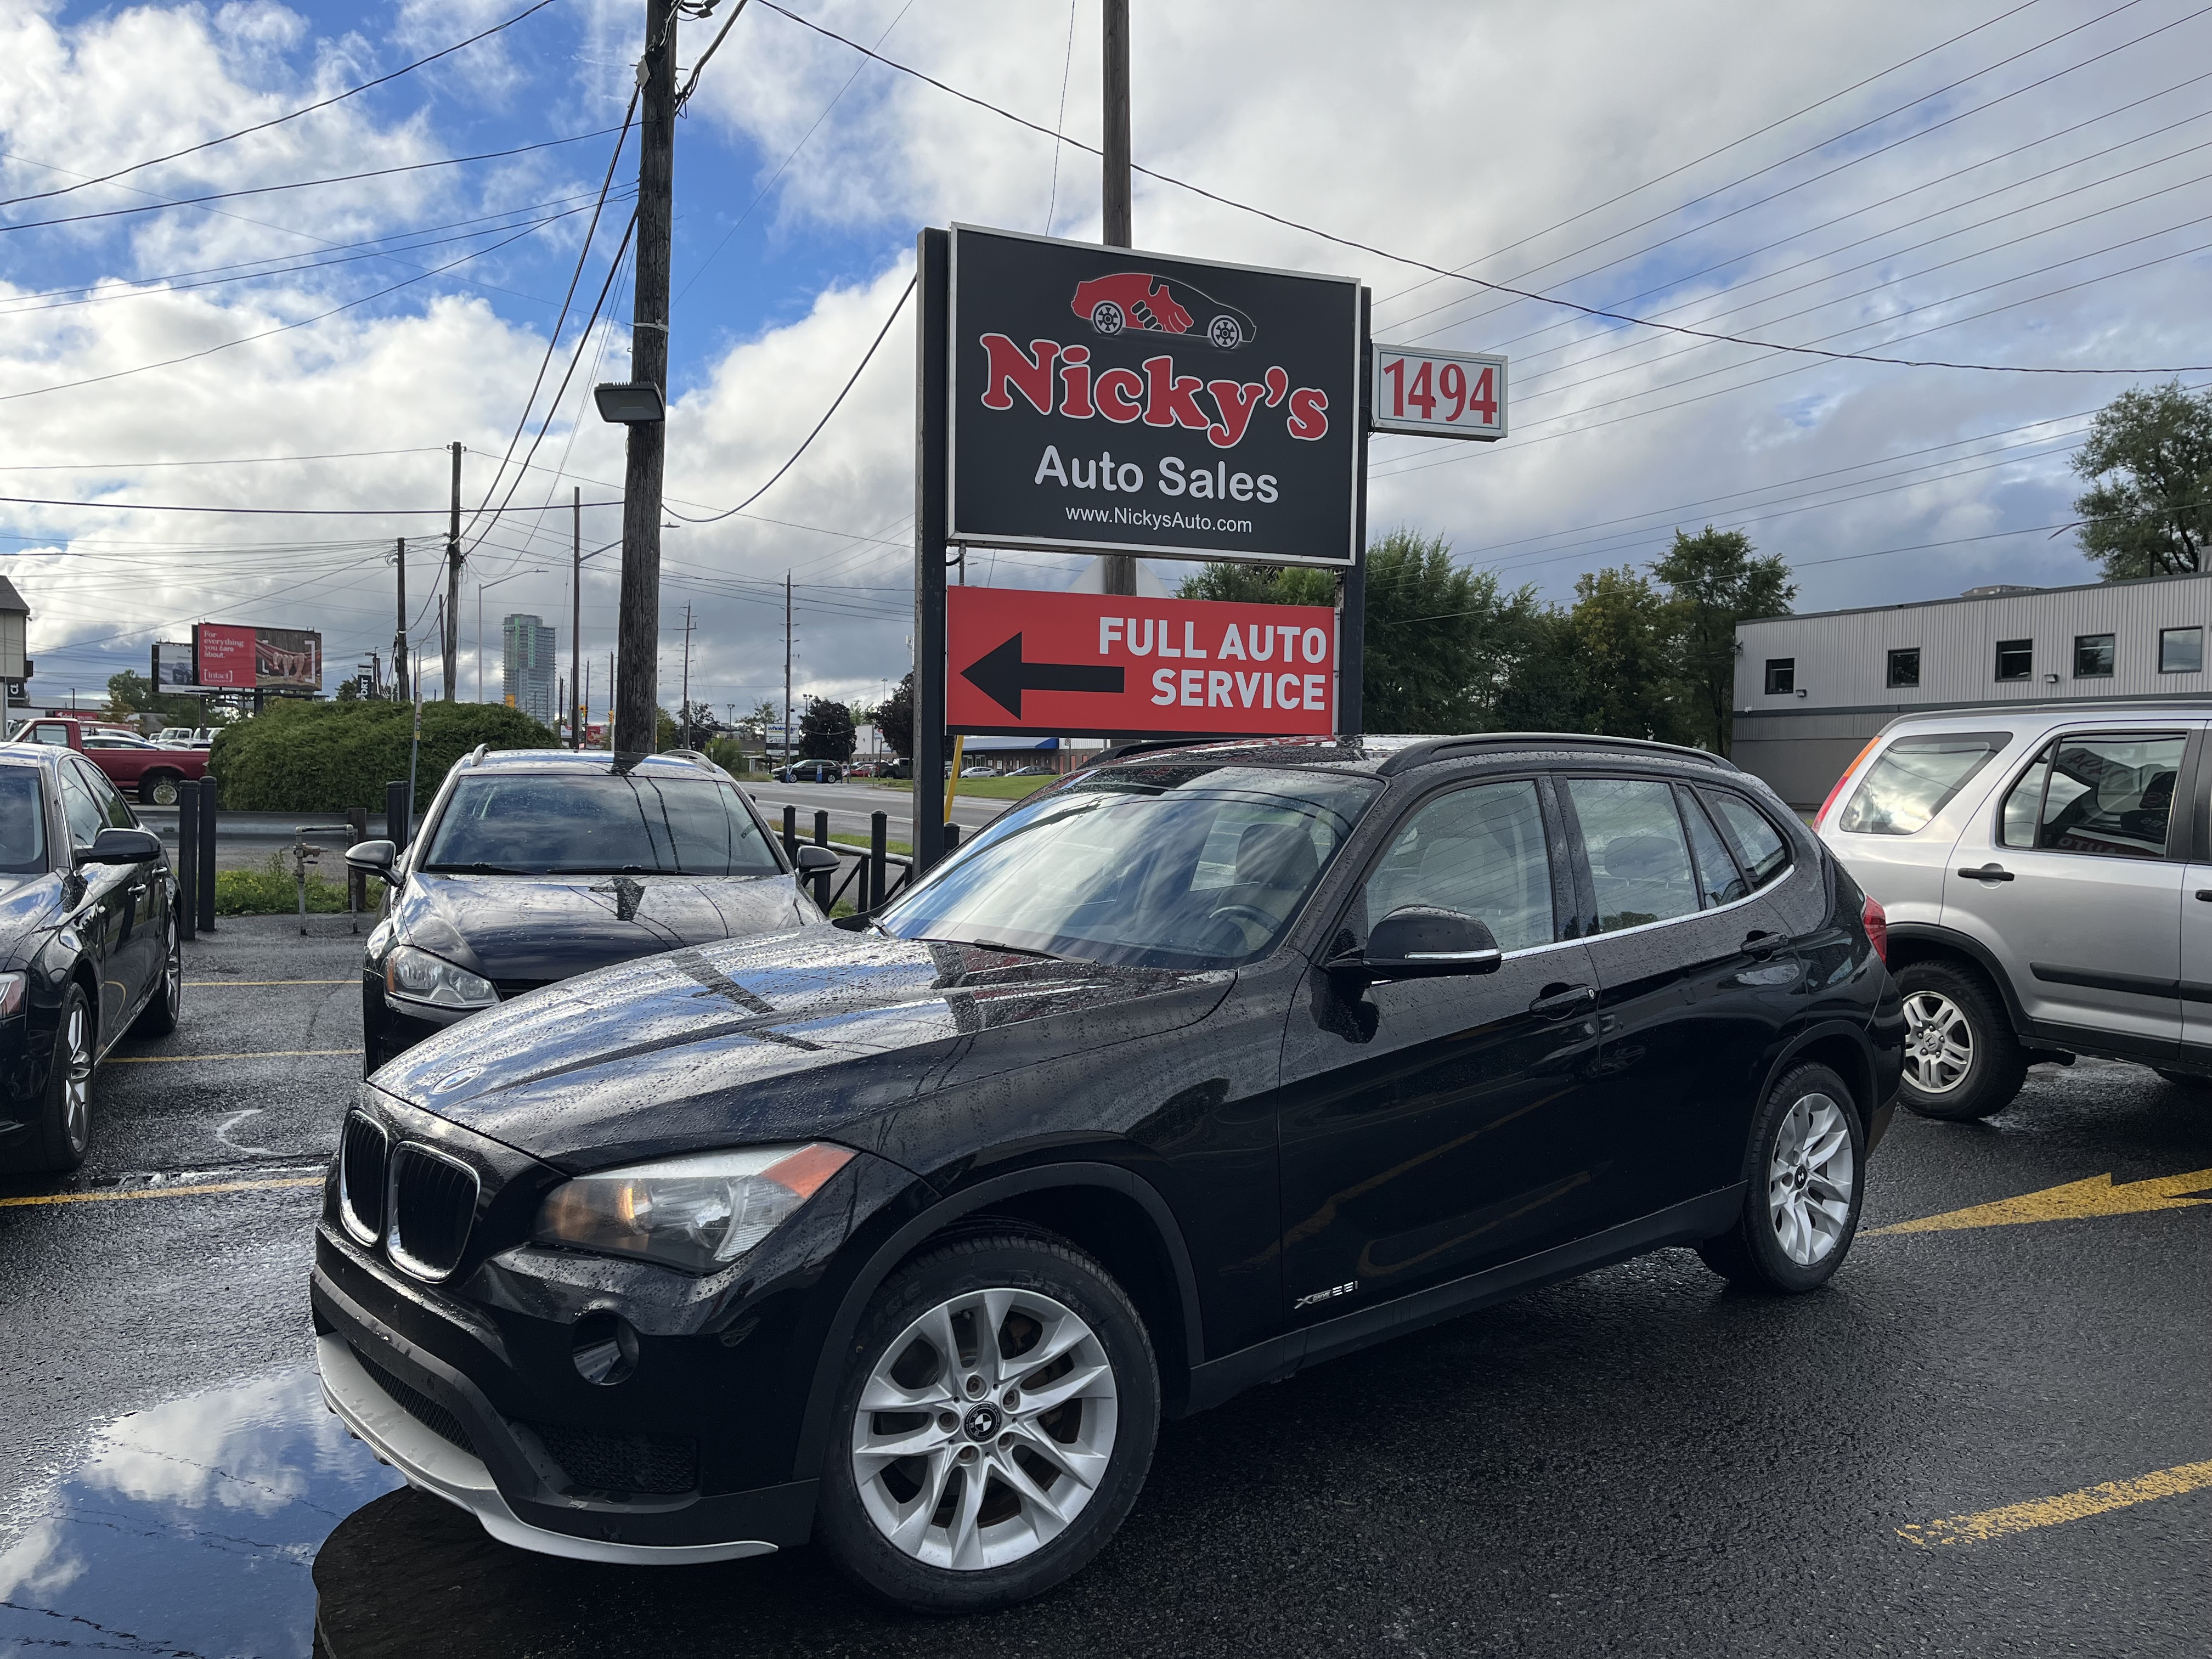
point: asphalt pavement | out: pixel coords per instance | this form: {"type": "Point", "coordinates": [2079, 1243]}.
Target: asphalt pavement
{"type": "Point", "coordinates": [849, 805]}
{"type": "Point", "coordinates": [1987, 1435]}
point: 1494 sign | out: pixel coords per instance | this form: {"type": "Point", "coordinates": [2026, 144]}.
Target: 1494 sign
{"type": "Point", "coordinates": [1113, 401]}
{"type": "Point", "coordinates": [1441, 394]}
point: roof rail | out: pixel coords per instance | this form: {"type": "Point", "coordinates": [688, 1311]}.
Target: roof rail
{"type": "Point", "coordinates": [1435, 749]}
{"type": "Point", "coordinates": [1144, 746]}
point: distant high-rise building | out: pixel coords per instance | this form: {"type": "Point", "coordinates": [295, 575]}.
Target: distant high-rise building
{"type": "Point", "coordinates": [531, 655]}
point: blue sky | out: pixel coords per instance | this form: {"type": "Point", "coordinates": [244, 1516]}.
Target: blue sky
{"type": "Point", "coordinates": [1998, 183]}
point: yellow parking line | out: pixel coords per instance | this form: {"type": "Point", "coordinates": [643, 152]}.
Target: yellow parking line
{"type": "Point", "coordinates": [273, 1054]}
{"type": "Point", "coordinates": [2095, 1196]}
{"type": "Point", "coordinates": [2051, 1512]}
{"type": "Point", "coordinates": [205, 984]}
{"type": "Point", "coordinates": [163, 1192]}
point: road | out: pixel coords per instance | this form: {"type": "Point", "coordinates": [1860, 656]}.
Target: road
{"type": "Point", "coordinates": [850, 804]}
{"type": "Point", "coordinates": [1639, 1461]}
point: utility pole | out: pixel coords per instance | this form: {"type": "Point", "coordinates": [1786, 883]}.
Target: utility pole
{"type": "Point", "coordinates": [684, 705]}
{"type": "Point", "coordinates": [399, 636]}
{"type": "Point", "coordinates": [1117, 571]}
{"type": "Point", "coordinates": [576, 617]}
{"type": "Point", "coordinates": [452, 629]}
{"type": "Point", "coordinates": [639, 626]}
{"type": "Point", "coordinates": [444, 621]}
{"type": "Point", "coordinates": [786, 668]}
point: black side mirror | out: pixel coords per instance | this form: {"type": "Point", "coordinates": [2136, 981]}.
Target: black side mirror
{"type": "Point", "coordinates": [376, 857]}
{"type": "Point", "coordinates": [813, 861]}
{"type": "Point", "coordinates": [121, 847]}
{"type": "Point", "coordinates": [1423, 941]}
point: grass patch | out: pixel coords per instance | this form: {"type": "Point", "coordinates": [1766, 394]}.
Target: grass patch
{"type": "Point", "coordinates": [904, 849]}
{"type": "Point", "coordinates": [273, 891]}
{"type": "Point", "coordinates": [981, 788]}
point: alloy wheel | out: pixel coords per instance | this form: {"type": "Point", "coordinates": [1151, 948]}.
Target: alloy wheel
{"type": "Point", "coordinates": [172, 982]}
{"type": "Point", "coordinates": [1939, 1043]}
{"type": "Point", "coordinates": [985, 1429]}
{"type": "Point", "coordinates": [1810, 1179]}
{"type": "Point", "coordinates": [76, 1077]}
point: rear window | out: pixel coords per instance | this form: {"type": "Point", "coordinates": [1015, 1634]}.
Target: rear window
{"type": "Point", "coordinates": [1914, 779]}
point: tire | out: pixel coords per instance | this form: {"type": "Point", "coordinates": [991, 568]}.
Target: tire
{"type": "Point", "coordinates": [1010, 1543]}
{"type": "Point", "coordinates": [159, 1017]}
{"type": "Point", "coordinates": [2185, 1079]}
{"type": "Point", "coordinates": [1959, 1002]}
{"type": "Point", "coordinates": [1802, 1211]}
{"type": "Point", "coordinates": [158, 789]}
{"type": "Point", "coordinates": [1107, 318]}
{"type": "Point", "coordinates": [1224, 333]}
{"type": "Point", "coordinates": [58, 1140]}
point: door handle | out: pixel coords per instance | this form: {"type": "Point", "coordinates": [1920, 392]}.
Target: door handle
{"type": "Point", "coordinates": [1987, 872]}
{"type": "Point", "coordinates": [1560, 1003]}
{"type": "Point", "coordinates": [1761, 944]}
{"type": "Point", "coordinates": [2204, 894]}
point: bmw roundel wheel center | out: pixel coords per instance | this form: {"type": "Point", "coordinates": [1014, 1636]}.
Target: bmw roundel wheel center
{"type": "Point", "coordinates": [901, 1235]}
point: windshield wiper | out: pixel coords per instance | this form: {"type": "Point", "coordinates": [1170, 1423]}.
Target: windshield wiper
{"type": "Point", "coordinates": [605, 869]}
{"type": "Point", "coordinates": [999, 944]}
{"type": "Point", "coordinates": [476, 870]}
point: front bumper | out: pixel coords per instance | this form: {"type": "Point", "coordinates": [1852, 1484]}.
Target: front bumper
{"type": "Point", "coordinates": [433, 1464]}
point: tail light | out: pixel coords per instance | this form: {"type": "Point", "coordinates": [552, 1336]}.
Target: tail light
{"type": "Point", "coordinates": [1877, 927]}
{"type": "Point", "coordinates": [1820, 817]}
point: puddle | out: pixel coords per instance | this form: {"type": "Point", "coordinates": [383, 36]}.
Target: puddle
{"type": "Point", "coordinates": [187, 1530]}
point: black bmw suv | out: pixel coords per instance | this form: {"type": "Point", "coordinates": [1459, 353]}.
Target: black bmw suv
{"type": "Point", "coordinates": [1208, 1064]}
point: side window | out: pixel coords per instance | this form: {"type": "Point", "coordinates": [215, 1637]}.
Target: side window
{"type": "Point", "coordinates": [1716, 873]}
{"type": "Point", "coordinates": [115, 811]}
{"type": "Point", "coordinates": [1479, 850]}
{"type": "Point", "coordinates": [2106, 796]}
{"type": "Point", "coordinates": [1759, 847]}
{"type": "Point", "coordinates": [1916, 778]}
{"type": "Point", "coordinates": [2022, 803]}
{"type": "Point", "coordinates": [1639, 860]}
{"type": "Point", "coordinates": [86, 820]}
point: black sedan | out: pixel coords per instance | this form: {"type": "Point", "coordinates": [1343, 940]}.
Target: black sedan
{"type": "Point", "coordinates": [535, 865]}
{"type": "Point", "coordinates": [89, 947]}
{"type": "Point", "coordinates": [1204, 1065]}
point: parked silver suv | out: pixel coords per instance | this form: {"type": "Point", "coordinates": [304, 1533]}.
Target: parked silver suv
{"type": "Point", "coordinates": [2045, 898]}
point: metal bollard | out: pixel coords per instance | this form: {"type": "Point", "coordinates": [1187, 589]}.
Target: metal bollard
{"type": "Point", "coordinates": [188, 862]}
{"type": "Point", "coordinates": [356, 881]}
{"type": "Point", "coordinates": [207, 855]}
{"type": "Point", "coordinates": [951, 839]}
{"type": "Point", "coordinates": [791, 834]}
{"type": "Point", "coordinates": [398, 815]}
{"type": "Point", "coordinates": [822, 839]}
{"type": "Point", "coordinates": [878, 834]}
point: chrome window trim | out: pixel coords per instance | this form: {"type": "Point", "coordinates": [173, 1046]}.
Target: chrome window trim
{"type": "Point", "coordinates": [346, 1217]}
{"type": "Point", "coordinates": [394, 1247]}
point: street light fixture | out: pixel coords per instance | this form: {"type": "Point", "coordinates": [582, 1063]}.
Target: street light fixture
{"type": "Point", "coordinates": [630, 402]}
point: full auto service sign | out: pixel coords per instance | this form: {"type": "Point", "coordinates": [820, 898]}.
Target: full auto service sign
{"type": "Point", "coordinates": [1113, 401]}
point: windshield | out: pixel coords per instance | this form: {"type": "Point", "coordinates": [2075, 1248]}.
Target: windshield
{"type": "Point", "coordinates": [571, 824]}
{"type": "Point", "coordinates": [22, 822]}
{"type": "Point", "coordinates": [1158, 866]}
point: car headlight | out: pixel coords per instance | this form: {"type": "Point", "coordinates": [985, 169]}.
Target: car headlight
{"type": "Point", "coordinates": [12, 987]}
{"type": "Point", "coordinates": [696, 1214]}
{"type": "Point", "coordinates": [419, 976]}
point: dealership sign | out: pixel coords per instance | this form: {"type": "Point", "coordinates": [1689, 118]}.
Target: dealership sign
{"type": "Point", "coordinates": [1079, 664]}
{"type": "Point", "coordinates": [1109, 401]}
{"type": "Point", "coordinates": [232, 659]}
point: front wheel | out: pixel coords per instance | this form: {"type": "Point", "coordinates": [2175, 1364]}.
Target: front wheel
{"type": "Point", "coordinates": [995, 1423]}
{"type": "Point", "coordinates": [1802, 1209]}
{"type": "Point", "coordinates": [58, 1141]}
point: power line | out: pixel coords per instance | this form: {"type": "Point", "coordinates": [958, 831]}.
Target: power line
{"type": "Point", "coordinates": [309, 109]}
{"type": "Point", "coordinates": [274, 512]}
{"type": "Point", "coordinates": [1597, 312]}
{"type": "Point", "coordinates": [159, 204]}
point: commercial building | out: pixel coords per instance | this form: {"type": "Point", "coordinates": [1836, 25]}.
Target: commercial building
{"type": "Point", "coordinates": [530, 665]}
{"type": "Point", "coordinates": [1811, 689]}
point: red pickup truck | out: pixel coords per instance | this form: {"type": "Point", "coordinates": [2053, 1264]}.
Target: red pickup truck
{"type": "Point", "coordinates": [132, 763]}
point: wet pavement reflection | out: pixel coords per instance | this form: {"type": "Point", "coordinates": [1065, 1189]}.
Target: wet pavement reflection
{"type": "Point", "coordinates": [189, 1528]}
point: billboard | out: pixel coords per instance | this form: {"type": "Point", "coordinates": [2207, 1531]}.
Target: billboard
{"type": "Point", "coordinates": [1109, 401]}
{"type": "Point", "coordinates": [1085, 664]}
{"type": "Point", "coordinates": [172, 663]}
{"type": "Point", "coordinates": [234, 659]}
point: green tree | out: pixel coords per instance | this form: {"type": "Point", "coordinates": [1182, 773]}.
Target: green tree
{"type": "Point", "coordinates": [664, 730]}
{"type": "Point", "coordinates": [1716, 579]}
{"type": "Point", "coordinates": [2148, 459]}
{"type": "Point", "coordinates": [1256, 584]}
{"type": "Point", "coordinates": [1623, 639]}
{"type": "Point", "coordinates": [825, 731]}
{"type": "Point", "coordinates": [895, 718]}
{"type": "Point", "coordinates": [129, 694]}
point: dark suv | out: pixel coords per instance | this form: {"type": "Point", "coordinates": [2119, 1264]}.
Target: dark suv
{"type": "Point", "coordinates": [1206, 1064]}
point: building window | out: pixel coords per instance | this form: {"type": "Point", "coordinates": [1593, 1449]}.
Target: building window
{"type": "Point", "coordinates": [1905, 667]}
{"type": "Point", "coordinates": [2180, 650]}
{"type": "Point", "coordinates": [2016, 660]}
{"type": "Point", "coordinates": [2092, 656]}
{"type": "Point", "coordinates": [1781, 675]}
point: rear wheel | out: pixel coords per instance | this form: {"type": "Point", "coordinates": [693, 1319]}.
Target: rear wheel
{"type": "Point", "coordinates": [159, 1017]}
{"type": "Point", "coordinates": [995, 1423]}
{"type": "Point", "coordinates": [1802, 1209]}
{"type": "Point", "coordinates": [158, 789]}
{"type": "Point", "coordinates": [1962, 1060]}
{"type": "Point", "coordinates": [2185, 1079]}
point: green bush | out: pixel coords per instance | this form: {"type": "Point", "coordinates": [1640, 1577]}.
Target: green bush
{"type": "Point", "coordinates": [325, 756]}
{"type": "Point", "coordinates": [274, 891]}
